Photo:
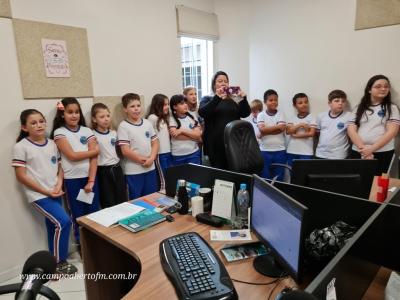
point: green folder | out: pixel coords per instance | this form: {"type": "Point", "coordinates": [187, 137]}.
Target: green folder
{"type": "Point", "coordinates": [142, 220]}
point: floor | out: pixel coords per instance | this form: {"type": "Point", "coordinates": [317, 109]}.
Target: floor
{"type": "Point", "coordinates": [66, 289]}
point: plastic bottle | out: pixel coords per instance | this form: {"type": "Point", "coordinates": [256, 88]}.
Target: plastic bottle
{"type": "Point", "coordinates": [183, 197]}
{"type": "Point", "coordinates": [243, 201]}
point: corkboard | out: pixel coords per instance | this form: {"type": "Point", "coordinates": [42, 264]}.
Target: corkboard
{"type": "Point", "coordinates": [115, 105]}
{"type": "Point", "coordinates": [35, 84]}
{"type": "Point", "coordinates": [5, 9]}
{"type": "Point", "coordinates": [373, 13]}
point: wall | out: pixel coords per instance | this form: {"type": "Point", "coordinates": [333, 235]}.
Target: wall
{"type": "Point", "coordinates": [232, 49]}
{"type": "Point", "coordinates": [313, 48]}
{"type": "Point", "coordinates": [133, 47]}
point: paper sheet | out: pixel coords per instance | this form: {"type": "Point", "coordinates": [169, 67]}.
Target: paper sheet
{"type": "Point", "coordinates": [230, 235]}
{"type": "Point", "coordinates": [85, 197]}
{"type": "Point", "coordinates": [112, 215]}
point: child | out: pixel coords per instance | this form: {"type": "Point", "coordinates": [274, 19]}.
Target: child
{"type": "Point", "coordinates": [333, 142]}
{"type": "Point", "coordinates": [272, 142]}
{"type": "Point", "coordinates": [375, 124]}
{"type": "Point", "coordinates": [79, 151]}
{"type": "Point", "coordinates": [301, 131]}
{"type": "Point", "coordinates": [185, 133]}
{"type": "Point", "coordinates": [110, 176]}
{"type": "Point", "coordinates": [158, 116]}
{"type": "Point", "coordinates": [36, 162]}
{"type": "Point", "coordinates": [256, 107]}
{"type": "Point", "coordinates": [190, 94]}
{"type": "Point", "coordinates": [139, 145]}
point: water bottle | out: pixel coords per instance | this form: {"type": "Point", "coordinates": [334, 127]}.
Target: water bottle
{"type": "Point", "coordinates": [183, 197]}
{"type": "Point", "coordinates": [243, 202]}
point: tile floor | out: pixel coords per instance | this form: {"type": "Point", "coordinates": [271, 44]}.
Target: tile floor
{"type": "Point", "coordinates": [66, 289]}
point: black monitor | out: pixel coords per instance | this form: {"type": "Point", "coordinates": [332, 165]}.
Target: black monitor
{"type": "Point", "coordinates": [279, 222]}
{"type": "Point", "coordinates": [393, 169]}
{"type": "Point", "coordinates": [344, 176]}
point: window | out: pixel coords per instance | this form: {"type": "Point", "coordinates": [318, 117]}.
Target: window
{"type": "Point", "coordinates": [197, 62]}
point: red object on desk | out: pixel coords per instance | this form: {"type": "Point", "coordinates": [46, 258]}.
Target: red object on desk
{"type": "Point", "coordinates": [383, 186]}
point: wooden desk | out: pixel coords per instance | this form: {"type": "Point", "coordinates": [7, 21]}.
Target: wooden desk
{"type": "Point", "coordinates": [393, 182]}
{"type": "Point", "coordinates": [117, 250]}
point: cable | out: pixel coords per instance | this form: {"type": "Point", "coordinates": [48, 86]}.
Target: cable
{"type": "Point", "coordinates": [256, 283]}
{"type": "Point", "coordinates": [276, 285]}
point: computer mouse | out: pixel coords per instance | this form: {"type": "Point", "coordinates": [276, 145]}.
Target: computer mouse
{"type": "Point", "coordinates": [169, 218]}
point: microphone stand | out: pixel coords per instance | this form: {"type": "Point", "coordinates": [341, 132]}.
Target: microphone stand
{"type": "Point", "coordinates": [15, 287]}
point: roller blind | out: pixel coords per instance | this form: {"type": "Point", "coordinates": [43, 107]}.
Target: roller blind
{"type": "Point", "coordinates": [196, 23]}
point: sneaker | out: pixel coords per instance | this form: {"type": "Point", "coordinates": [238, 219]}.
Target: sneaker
{"type": "Point", "coordinates": [65, 268]}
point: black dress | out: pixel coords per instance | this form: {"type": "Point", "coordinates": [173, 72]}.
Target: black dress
{"type": "Point", "coordinates": [217, 113]}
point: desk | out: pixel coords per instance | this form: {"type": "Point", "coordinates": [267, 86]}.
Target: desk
{"type": "Point", "coordinates": [117, 250]}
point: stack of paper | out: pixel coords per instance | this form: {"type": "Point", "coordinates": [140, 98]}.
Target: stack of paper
{"type": "Point", "coordinates": [112, 215]}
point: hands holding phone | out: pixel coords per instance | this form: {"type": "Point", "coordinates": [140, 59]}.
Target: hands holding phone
{"type": "Point", "coordinates": [232, 92]}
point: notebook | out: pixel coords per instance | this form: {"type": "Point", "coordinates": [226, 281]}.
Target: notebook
{"type": "Point", "coordinates": [142, 220]}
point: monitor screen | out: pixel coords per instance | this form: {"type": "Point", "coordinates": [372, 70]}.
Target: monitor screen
{"type": "Point", "coordinates": [278, 221]}
{"type": "Point", "coordinates": [344, 176]}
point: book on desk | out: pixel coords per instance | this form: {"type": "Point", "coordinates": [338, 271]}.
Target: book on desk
{"type": "Point", "coordinates": [142, 220]}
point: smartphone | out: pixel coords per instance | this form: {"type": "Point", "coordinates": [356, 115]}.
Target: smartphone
{"type": "Point", "coordinates": [232, 90]}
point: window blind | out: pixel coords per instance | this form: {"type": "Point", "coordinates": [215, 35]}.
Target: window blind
{"type": "Point", "coordinates": [196, 23]}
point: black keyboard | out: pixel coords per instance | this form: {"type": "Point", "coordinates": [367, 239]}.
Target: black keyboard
{"type": "Point", "coordinates": [194, 268]}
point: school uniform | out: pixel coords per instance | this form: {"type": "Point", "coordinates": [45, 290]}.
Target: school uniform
{"type": "Point", "coordinates": [253, 121]}
{"type": "Point", "coordinates": [195, 114]}
{"type": "Point", "coordinates": [164, 159]}
{"type": "Point", "coordinates": [372, 127]}
{"type": "Point", "coordinates": [272, 146]}
{"type": "Point", "coordinates": [141, 180]}
{"type": "Point", "coordinates": [300, 148]}
{"type": "Point", "coordinates": [333, 141]}
{"type": "Point", "coordinates": [41, 162]}
{"type": "Point", "coordinates": [76, 173]}
{"type": "Point", "coordinates": [184, 151]}
{"type": "Point", "coordinates": [112, 185]}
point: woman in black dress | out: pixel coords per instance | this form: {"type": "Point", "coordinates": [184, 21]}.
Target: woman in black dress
{"type": "Point", "coordinates": [218, 110]}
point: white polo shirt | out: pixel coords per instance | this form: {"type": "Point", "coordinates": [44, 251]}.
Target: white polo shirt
{"type": "Point", "coordinates": [333, 141]}
{"type": "Point", "coordinates": [163, 134]}
{"type": "Point", "coordinates": [41, 163]}
{"type": "Point", "coordinates": [272, 142]}
{"type": "Point", "coordinates": [301, 146]}
{"type": "Point", "coordinates": [138, 138]}
{"type": "Point", "coordinates": [373, 125]}
{"type": "Point", "coordinates": [107, 141]}
{"type": "Point", "coordinates": [183, 147]}
{"type": "Point", "coordinates": [78, 140]}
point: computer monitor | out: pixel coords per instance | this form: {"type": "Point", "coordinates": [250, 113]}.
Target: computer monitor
{"type": "Point", "coordinates": [393, 169]}
{"type": "Point", "coordinates": [344, 176]}
{"type": "Point", "coordinates": [279, 222]}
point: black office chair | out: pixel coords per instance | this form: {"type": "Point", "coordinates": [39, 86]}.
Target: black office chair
{"type": "Point", "coordinates": [242, 149]}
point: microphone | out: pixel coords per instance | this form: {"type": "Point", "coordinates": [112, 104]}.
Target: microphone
{"type": "Point", "coordinates": [34, 272]}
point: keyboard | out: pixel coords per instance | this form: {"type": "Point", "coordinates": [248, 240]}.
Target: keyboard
{"type": "Point", "coordinates": [194, 268]}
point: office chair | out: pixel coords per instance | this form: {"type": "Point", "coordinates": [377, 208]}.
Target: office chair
{"type": "Point", "coordinates": [287, 172]}
{"type": "Point", "coordinates": [241, 147]}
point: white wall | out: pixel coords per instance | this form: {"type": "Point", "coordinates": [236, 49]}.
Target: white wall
{"type": "Point", "coordinates": [232, 49]}
{"type": "Point", "coordinates": [311, 46]}
{"type": "Point", "coordinates": [133, 47]}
